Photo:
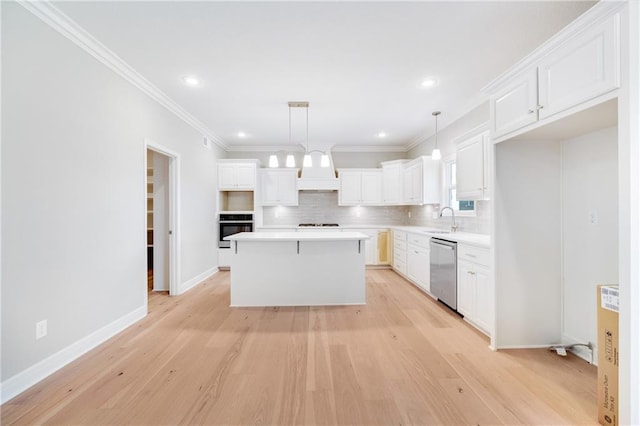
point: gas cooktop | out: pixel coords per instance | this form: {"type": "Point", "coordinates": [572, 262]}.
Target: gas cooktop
{"type": "Point", "coordinates": [317, 225]}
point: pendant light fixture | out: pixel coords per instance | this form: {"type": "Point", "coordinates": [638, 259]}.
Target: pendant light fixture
{"type": "Point", "coordinates": [435, 154]}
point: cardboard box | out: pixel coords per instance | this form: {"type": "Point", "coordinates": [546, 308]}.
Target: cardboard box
{"type": "Point", "coordinates": [608, 349]}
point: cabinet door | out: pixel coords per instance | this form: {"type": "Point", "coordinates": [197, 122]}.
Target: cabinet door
{"type": "Point", "coordinates": [413, 184]}
{"type": "Point", "coordinates": [392, 185]}
{"type": "Point", "coordinates": [371, 187]}
{"type": "Point", "coordinates": [226, 176]}
{"type": "Point", "coordinates": [470, 170]}
{"type": "Point", "coordinates": [370, 246]}
{"type": "Point", "coordinates": [484, 300]}
{"type": "Point", "coordinates": [350, 188]}
{"type": "Point", "coordinates": [516, 106]}
{"type": "Point", "coordinates": [466, 289]}
{"type": "Point", "coordinates": [245, 176]}
{"type": "Point", "coordinates": [418, 266]}
{"type": "Point", "coordinates": [288, 188]}
{"type": "Point", "coordinates": [580, 70]}
{"type": "Point", "coordinates": [269, 188]}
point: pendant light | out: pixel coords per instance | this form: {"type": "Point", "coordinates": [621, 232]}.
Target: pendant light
{"type": "Point", "coordinates": [273, 160]}
{"type": "Point", "coordinates": [435, 154]}
{"type": "Point", "coordinates": [290, 161]}
{"type": "Point", "coordinates": [307, 161]}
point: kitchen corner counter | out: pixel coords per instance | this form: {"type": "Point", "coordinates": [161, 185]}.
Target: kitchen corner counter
{"type": "Point", "coordinates": [479, 240]}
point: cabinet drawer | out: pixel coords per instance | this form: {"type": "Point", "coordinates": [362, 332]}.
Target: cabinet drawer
{"type": "Point", "coordinates": [416, 249]}
{"type": "Point", "coordinates": [419, 240]}
{"type": "Point", "coordinates": [399, 246]}
{"type": "Point", "coordinates": [400, 266]}
{"type": "Point", "coordinates": [399, 236]}
{"type": "Point", "coordinates": [474, 254]}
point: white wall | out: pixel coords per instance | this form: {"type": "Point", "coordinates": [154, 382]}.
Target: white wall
{"type": "Point", "coordinates": [527, 243]}
{"type": "Point", "coordinates": [590, 250]}
{"type": "Point", "coordinates": [74, 201]}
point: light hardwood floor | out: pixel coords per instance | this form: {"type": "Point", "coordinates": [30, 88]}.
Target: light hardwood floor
{"type": "Point", "coordinates": [401, 359]}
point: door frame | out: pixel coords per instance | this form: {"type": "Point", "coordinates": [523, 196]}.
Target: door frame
{"type": "Point", "coordinates": [173, 213]}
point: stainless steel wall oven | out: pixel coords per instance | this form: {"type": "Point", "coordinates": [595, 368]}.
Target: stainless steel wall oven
{"type": "Point", "coordinates": [233, 223]}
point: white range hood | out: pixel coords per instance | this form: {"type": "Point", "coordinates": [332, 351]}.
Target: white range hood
{"type": "Point", "coordinates": [316, 178]}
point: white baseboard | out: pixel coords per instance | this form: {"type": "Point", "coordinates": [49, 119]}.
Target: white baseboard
{"type": "Point", "coordinates": [188, 285]}
{"type": "Point", "coordinates": [22, 381]}
{"type": "Point", "coordinates": [581, 351]}
{"type": "Point", "coordinates": [501, 347]}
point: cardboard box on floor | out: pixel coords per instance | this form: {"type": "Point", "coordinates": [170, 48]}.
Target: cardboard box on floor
{"type": "Point", "coordinates": [608, 306]}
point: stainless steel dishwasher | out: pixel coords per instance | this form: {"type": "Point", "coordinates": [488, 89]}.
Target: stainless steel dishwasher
{"type": "Point", "coordinates": [444, 275]}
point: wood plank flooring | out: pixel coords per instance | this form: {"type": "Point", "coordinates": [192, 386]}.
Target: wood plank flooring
{"type": "Point", "coordinates": [401, 359]}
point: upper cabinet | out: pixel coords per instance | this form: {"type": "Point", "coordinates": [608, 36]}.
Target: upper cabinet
{"type": "Point", "coordinates": [421, 181]}
{"type": "Point", "coordinates": [392, 182]}
{"type": "Point", "coordinates": [582, 67]}
{"type": "Point", "coordinates": [360, 187]}
{"type": "Point", "coordinates": [472, 168]}
{"type": "Point", "coordinates": [279, 187]}
{"type": "Point", "coordinates": [237, 176]}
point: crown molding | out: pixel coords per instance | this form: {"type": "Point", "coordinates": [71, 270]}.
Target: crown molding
{"type": "Point", "coordinates": [369, 148]}
{"type": "Point", "coordinates": [60, 22]}
{"type": "Point", "coordinates": [264, 148]}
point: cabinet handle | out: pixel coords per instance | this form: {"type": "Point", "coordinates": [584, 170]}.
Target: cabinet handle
{"type": "Point", "coordinates": [540, 107]}
{"type": "Point", "coordinates": [471, 255]}
{"type": "Point", "coordinates": [531, 111]}
{"type": "Point", "coordinates": [471, 272]}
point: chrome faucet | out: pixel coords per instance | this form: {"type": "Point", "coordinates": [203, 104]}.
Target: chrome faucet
{"type": "Point", "coordinates": [454, 227]}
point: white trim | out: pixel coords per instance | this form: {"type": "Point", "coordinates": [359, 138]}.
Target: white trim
{"type": "Point", "coordinates": [32, 375]}
{"type": "Point", "coordinates": [369, 148]}
{"type": "Point", "coordinates": [60, 22]}
{"type": "Point", "coordinates": [174, 211]}
{"type": "Point", "coordinates": [481, 128]}
{"type": "Point", "coordinates": [188, 285]}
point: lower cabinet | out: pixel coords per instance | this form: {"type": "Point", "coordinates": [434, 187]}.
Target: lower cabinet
{"type": "Point", "coordinates": [475, 292]}
{"type": "Point", "coordinates": [400, 252]}
{"type": "Point", "coordinates": [418, 269]}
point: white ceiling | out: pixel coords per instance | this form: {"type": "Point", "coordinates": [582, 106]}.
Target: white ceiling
{"type": "Point", "coordinates": [359, 64]}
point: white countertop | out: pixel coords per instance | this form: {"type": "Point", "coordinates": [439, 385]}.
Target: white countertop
{"type": "Point", "coordinates": [480, 240]}
{"type": "Point", "coordinates": [298, 236]}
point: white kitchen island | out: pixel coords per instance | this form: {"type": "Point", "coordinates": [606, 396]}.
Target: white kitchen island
{"type": "Point", "coordinates": [297, 268]}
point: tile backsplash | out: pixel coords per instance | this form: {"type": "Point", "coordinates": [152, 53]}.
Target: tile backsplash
{"type": "Point", "coordinates": [322, 207]}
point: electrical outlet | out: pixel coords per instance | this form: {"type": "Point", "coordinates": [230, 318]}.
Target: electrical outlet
{"type": "Point", "coordinates": [409, 213]}
{"type": "Point", "coordinates": [593, 217]}
{"type": "Point", "coordinates": [41, 329]}
{"type": "Point", "coordinates": [434, 215]}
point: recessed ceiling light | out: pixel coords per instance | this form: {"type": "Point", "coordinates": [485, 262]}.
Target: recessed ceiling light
{"type": "Point", "coordinates": [382, 135]}
{"type": "Point", "coordinates": [190, 80]}
{"type": "Point", "coordinates": [242, 135]}
{"type": "Point", "coordinates": [429, 82]}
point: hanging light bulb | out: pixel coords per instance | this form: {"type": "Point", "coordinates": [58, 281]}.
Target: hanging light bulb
{"type": "Point", "coordinates": [324, 160]}
{"type": "Point", "coordinates": [290, 161]}
{"type": "Point", "coordinates": [273, 160]}
{"type": "Point", "coordinates": [306, 161]}
{"type": "Point", "coordinates": [435, 154]}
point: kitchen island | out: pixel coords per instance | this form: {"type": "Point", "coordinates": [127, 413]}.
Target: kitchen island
{"type": "Point", "coordinates": [297, 268]}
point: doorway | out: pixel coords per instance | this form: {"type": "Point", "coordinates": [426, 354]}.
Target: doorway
{"type": "Point", "coordinates": [161, 176]}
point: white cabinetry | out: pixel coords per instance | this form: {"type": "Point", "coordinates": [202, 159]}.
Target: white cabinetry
{"type": "Point", "coordinates": [421, 181]}
{"type": "Point", "coordinates": [360, 187]}
{"type": "Point", "coordinates": [279, 187]}
{"type": "Point", "coordinates": [400, 251]}
{"type": "Point", "coordinates": [472, 168]}
{"type": "Point", "coordinates": [392, 182]}
{"type": "Point", "coordinates": [475, 289]}
{"type": "Point", "coordinates": [578, 70]}
{"type": "Point", "coordinates": [418, 269]}
{"type": "Point", "coordinates": [239, 176]}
